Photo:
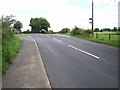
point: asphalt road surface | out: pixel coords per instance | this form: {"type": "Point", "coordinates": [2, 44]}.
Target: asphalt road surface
{"type": "Point", "coordinates": [77, 63]}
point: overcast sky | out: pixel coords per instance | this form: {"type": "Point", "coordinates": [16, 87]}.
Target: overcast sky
{"type": "Point", "coordinates": [63, 13]}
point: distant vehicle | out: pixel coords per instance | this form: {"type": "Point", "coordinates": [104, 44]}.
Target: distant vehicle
{"type": "Point", "coordinates": [42, 31]}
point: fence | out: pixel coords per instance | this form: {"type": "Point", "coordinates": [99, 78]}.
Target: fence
{"type": "Point", "coordinates": [113, 37]}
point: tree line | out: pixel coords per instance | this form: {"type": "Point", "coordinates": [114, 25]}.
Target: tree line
{"type": "Point", "coordinates": [41, 25]}
{"type": "Point", "coordinates": [87, 32]}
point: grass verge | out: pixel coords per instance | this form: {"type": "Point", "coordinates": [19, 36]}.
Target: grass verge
{"type": "Point", "coordinates": [22, 34]}
{"type": "Point", "coordinates": [93, 39]}
{"type": "Point", "coordinates": [9, 51]}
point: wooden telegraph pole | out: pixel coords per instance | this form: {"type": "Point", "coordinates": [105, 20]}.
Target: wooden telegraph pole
{"type": "Point", "coordinates": [92, 18]}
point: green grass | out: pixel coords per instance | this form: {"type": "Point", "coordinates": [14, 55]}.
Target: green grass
{"type": "Point", "coordinates": [9, 51]}
{"type": "Point", "coordinates": [106, 37]}
{"type": "Point", "coordinates": [103, 39]}
{"type": "Point", "coordinates": [22, 34]}
{"type": "Point", "coordinates": [107, 32]}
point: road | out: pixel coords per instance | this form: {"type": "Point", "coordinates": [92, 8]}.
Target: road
{"type": "Point", "coordinates": [75, 63]}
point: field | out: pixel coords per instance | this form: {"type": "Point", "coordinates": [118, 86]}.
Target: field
{"type": "Point", "coordinates": [112, 36]}
{"type": "Point", "coordinates": [107, 32]}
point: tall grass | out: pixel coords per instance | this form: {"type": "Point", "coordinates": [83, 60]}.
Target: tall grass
{"type": "Point", "coordinates": [10, 47]}
{"type": "Point", "coordinates": [9, 51]}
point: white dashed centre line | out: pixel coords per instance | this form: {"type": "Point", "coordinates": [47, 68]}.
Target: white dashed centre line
{"type": "Point", "coordinates": [79, 50]}
{"type": "Point", "coordinates": [57, 40]}
{"type": "Point", "coordinates": [47, 36]}
{"type": "Point", "coordinates": [84, 52]}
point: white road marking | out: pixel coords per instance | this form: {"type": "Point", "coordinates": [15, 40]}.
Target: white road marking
{"type": "Point", "coordinates": [62, 35]}
{"type": "Point", "coordinates": [84, 52]}
{"type": "Point", "coordinates": [47, 36]}
{"type": "Point", "coordinates": [57, 40]}
{"type": "Point", "coordinates": [79, 49]}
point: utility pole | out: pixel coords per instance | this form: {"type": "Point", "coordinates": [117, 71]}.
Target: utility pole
{"type": "Point", "coordinates": [119, 14]}
{"type": "Point", "coordinates": [92, 18]}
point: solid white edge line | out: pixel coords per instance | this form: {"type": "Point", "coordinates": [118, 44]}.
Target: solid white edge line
{"type": "Point", "coordinates": [41, 62]}
{"type": "Point", "coordinates": [84, 52]}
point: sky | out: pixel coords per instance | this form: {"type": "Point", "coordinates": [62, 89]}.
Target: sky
{"type": "Point", "coordinates": [63, 13]}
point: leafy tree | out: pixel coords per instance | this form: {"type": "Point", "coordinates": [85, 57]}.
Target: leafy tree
{"type": "Point", "coordinates": [115, 29]}
{"type": "Point", "coordinates": [106, 29]}
{"type": "Point", "coordinates": [50, 32]}
{"type": "Point", "coordinates": [7, 22]}
{"type": "Point", "coordinates": [18, 25]}
{"type": "Point", "coordinates": [6, 27]}
{"type": "Point", "coordinates": [76, 31]}
{"type": "Point", "coordinates": [65, 30]}
{"type": "Point", "coordinates": [101, 30]}
{"type": "Point", "coordinates": [86, 32]}
{"type": "Point", "coordinates": [37, 24]}
{"type": "Point", "coordinates": [118, 29]}
{"type": "Point", "coordinates": [96, 30]}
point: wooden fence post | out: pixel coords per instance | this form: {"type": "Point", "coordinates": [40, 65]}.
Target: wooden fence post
{"type": "Point", "coordinates": [96, 35]}
{"type": "Point", "coordinates": [109, 36]}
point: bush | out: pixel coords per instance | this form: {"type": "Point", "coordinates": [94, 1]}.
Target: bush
{"type": "Point", "coordinates": [50, 32]}
{"type": "Point", "coordinates": [65, 30]}
{"type": "Point", "coordinates": [87, 32]}
{"type": "Point", "coordinates": [77, 31]}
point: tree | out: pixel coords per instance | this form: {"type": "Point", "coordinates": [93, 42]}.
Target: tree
{"type": "Point", "coordinates": [38, 24]}
{"type": "Point", "coordinates": [87, 32]}
{"type": "Point", "coordinates": [118, 29]}
{"type": "Point", "coordinates": [6, 27]}
{"type": "Point", "coordinates": [18, 25]}
{"type": "Point", "coordinates": [77, 31]}
{"type": "Point", "coordinates": [7, 22]}
{"type": "Point", "coordinates": [96, 30]}
{"type": "Point", "coordinates": [65, 30]}
{"type": "Point", "coordinates": [101, 30]}
{"type": "Point", "coordinates": [106, 29]}
{"type": "Point", "coordinates": [115, 29]}
{"type": "Point", "coordinates": [50, 32]}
